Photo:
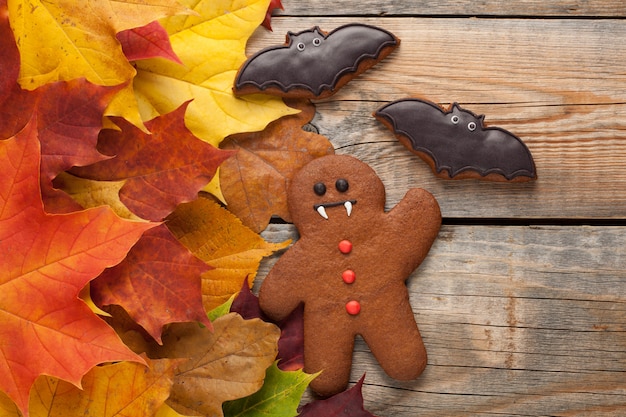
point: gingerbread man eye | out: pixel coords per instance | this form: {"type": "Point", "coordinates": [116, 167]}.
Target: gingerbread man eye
{"type": "Point", "coordinates": [319, 189]}
{"type": "Point", "coordinates": [300, 46]}
{"type": "Point", "coordinates": [471, 126]}
{"type": "Point", "coordinates": [342, 185]}
{"type": "Point", "coordinates": [317, 42]}
{"type": "Point", "coordinates": [454, 119]}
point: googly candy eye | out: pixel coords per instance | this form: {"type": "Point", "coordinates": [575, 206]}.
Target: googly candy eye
{"type": "Point", "coordinates": [317, 42]}
{"type": "Point", "coordinates": [300, 46]}
{"type": "Point", "coordinates": [471, 126]}
{"type": "Point", "coordinates": [455, 119]}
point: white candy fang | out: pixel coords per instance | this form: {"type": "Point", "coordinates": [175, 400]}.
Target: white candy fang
{"type": "Point", "coordinates": [322, 212]}
{"type": "Point", "coordinates": [348, 206]}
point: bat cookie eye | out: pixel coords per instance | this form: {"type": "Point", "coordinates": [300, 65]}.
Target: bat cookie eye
{"type": "Point", "coordinates": [471, 126]}
{"type": "Point", "coordinates": [300, 46]}
{"type": "Point", "coordinates": [317, 42]}
{"type": "Point", "coordinates": [454, 119]}
{"type": "Point", "coordinates": [319, 189]}
{"type": "Point", "coordinates": [342, 185]}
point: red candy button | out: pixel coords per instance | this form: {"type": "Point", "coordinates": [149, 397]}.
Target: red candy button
{"type": "Point", "coordinates": [348, 276]}
{"type": "Point", "coordinates": [345, 246]}
{"type": "Point", "coordinates": [353, 307]}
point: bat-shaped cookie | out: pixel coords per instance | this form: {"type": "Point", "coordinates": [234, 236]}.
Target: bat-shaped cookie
{"type": "Point", "coordinates": [456, 144]}
{"type": "Point", "coordinates": [313, 64]}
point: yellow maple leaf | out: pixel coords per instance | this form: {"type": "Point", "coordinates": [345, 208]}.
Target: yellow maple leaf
{"type": "Point", "coordinates": [128, 386]}
{"type": "Point", "coordinates": [219, 238]}
{"type": "Point", "coordinates": [211, 46]}
{"type": "Point", "coordinates": [66, 39]}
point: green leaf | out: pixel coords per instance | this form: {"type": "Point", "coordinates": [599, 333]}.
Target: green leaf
{"type": "Point", "coordinates": [279, 396]}
{"type": "Point", "coordinates": [222, 309]}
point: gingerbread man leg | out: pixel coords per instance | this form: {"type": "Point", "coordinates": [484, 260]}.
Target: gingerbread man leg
{"type": "Point", "coordinates": [328, 348]}
{"type": "Point", "coordinates": [402, 361]}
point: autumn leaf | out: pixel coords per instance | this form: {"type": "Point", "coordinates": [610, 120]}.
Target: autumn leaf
{"type": "Point", "coordinates": [291, 343]}
{"type": "Point", "coordinates": [149, 41]}
{"type": "Point", "coordinates": [274, 4]}
{"type": "Point", "coordinates": [348, 403]}
{"type": "Point", "coordinates": [121, 389]}
{"type": "Point", "coordinates": [15, 105]}
{"type": "Point", "coordinates": [9, 54]}
{"type": "Point", "coordinates": [279, 396]}
{"type": "Point", "coordinates": [64, 40]}
{"type": "Point", "coordinates": [246, 304]}
{"type": "Point", "coordinates": [217, 237]}
{"type": "Point", "coordinates": [167, 411]}
{"type": "Point", "coordinates": [68, 117]}
{"type": "Point", "coordinates": [157, 283]}
{"type": "Point", "coordinates": [221, 310]}
{"type": "Point", "coordinates": [47, 259]}
{"type": "Point", "coordinates": [254, 181]}
{"type": "Point", "coordinates": [160, 169]}
{"type": "Point", "coordinates": [85, 193]}
{"type": "Point", "coordinates": [226, 364]}
{"type": "Point", "coordinates": [211, 46]}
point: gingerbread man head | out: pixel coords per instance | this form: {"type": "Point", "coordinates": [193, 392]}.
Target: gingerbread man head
{"type": "Point", "coordinates": [333, 193]}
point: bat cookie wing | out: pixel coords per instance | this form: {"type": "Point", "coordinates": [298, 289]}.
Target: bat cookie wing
{"type": "Point", "coordinates": [313, 64]}
{"type": "Point", "coordinates": [456, 144]}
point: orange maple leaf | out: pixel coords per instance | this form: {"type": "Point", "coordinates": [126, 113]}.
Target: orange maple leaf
{"type": "Point", "coordinates": [46, 260]}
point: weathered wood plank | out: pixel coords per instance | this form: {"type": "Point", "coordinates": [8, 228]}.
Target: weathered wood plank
{"type": "Point", "coordinates": [456, 7]}
{"type": "Point", "coordinates": [518, 321]}
{"type": "Point", "coordinates": [558, 84]}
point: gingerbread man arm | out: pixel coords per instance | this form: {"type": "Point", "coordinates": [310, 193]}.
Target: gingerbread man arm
{"type": "Point", "coordinates": [279, 294]}
{"type": "Point", "coordinates": [417, 214]}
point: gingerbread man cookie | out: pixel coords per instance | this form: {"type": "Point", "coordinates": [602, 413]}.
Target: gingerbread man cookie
{"type": "Point", "coordinates": [349, 268]}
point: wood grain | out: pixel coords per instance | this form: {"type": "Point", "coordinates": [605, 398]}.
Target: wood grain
{"type": "Point", "coordinates": [516, 320]}
{"type": "Point", "coordinates": [557, 84]}
{"type": "Point", "coordinates": [456, 7]}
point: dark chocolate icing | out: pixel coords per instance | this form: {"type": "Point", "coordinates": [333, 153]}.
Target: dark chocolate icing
{"type": "Point", "coordinates": [456, 140]}
{"type": "Point", "coordinates": [314, 61]}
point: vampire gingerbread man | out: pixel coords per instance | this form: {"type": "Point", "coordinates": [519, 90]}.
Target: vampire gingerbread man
{"type": "Point", "coordinates": [349, 268]}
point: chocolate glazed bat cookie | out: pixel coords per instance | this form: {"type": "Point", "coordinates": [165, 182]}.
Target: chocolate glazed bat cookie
{"type": "Point", "coordinates": [313, 64]}
{"type": "Point", "coordinates": [456, 144]}
{"type": "Point", "coordinates": [349, 268]}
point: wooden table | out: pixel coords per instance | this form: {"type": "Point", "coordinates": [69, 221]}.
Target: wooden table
{"type": "Point", "coordinates": [522, 299]}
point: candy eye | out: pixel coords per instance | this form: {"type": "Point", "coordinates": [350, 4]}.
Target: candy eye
{"type": "Point", "coordinates": [317, 42]}
{"type": "Point", "coordinates": [300, 46]}
{"type": "Point", "coordinates": [342, 185]}
{"type": "Point", "coordinates": [454, 119]}
{"type": "Point", "coordinates": [319, 188]}
{"type": "Point", "coordinates": [471, 126]}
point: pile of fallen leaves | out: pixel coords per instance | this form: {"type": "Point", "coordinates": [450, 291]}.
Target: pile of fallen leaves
{"type": "Point", "coordinates": [120, 264]}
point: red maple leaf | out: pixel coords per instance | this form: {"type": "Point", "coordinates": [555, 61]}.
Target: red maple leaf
{"type": "Point", "coordinates": [149, 41]}
{"type": "Point", "coordinates": [162, 169]}
{"type": "Point", "coordinates": [348, 403]}
{"type": "Point", "coordinates": [9, 54]}
{"type": "Point", "coordinates": [274, 4]}
{"type": "Point", "coordinates": [158, 283]}
{"type": "Point", "coordinates": [68, 117]}
{"type": "Point", "coordinates": [46, 260]}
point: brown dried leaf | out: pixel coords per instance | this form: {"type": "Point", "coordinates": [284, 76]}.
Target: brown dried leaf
{"type": "Point", "coordinates": [255, 180]}
{"type": "Point", "coordinates": [226, 364]}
